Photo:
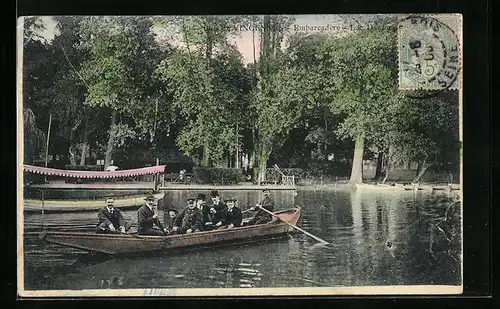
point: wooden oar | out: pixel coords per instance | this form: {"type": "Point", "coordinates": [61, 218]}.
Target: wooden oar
{"type": "Point", "coordinates": [297, 228]}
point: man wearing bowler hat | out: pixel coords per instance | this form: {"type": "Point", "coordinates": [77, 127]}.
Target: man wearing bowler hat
{"type": "Point", "coordinates": [218, 210]}
{"type": "Point", "coordinates": [201, 204]}
{"type": "Point", "coordinates": [147, 215]}
{"type": "Point", "coordinates": [234, 216]}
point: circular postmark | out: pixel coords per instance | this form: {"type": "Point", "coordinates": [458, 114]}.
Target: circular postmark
{"type": "Point", "coordinates": [428, 55]}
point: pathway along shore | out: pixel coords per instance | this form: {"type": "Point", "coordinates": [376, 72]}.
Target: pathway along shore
{"type": "Point", "coordinates": [119, 185]}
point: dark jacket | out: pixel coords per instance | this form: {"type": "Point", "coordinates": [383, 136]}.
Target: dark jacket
{"type": "Point", "coordinates": [145, 219]}
{"type": "Point", "coordinates": [234, 216]}
{"type": "Point", "coordinates": [189, 219]}
{"type": "Point", "coordinates": [169, 223]}
{"type": "Point", "coordinates": [268, 204]}
{"type": "Point", "coordinates": [206, 216]}
{"type": "Point", "coordinates": [115, 218]}
{"type": "Point", "coordinates": [221, 213]}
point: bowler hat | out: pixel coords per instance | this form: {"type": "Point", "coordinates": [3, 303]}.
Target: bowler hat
{"type": "Point", "coordinates": [150, 197]}
{"type": "Point", "coordinates": [201, 196]}
{"type": "Point", "coordinates": [214, 193]}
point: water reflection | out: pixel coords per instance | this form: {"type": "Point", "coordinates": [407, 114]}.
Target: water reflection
{"type": "Point", "coordinates": [376, 238]}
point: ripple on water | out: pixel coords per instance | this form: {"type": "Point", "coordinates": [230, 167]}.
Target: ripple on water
{"type": "Point", "coordinates": [357, 226]}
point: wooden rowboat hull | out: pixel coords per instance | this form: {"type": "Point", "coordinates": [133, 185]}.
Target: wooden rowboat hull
{"type": "Point", "coordinates": [83, 205]}
{"type": "Point", "coordinates": [131, 243]}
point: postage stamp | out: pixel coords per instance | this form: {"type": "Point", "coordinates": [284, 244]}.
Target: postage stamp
{"type": "Point", "coordinates": [239, 155]}
{"type": "Point", "coordinates": [429, 53]}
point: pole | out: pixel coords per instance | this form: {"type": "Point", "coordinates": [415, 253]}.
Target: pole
{"type": "Point", "coordinates": [296, 227]}
{"type": "Point", "coordinates": [237, 147]}
{"type": "Point", "coordinates": [43, 209]}
{"type": "Point", "coordinates": [47, 144]}
{"type": "Point", "coordinates": [157, 176]}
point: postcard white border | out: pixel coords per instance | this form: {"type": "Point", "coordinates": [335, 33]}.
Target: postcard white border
{"type": "Point", "coordinates": [392, 290]}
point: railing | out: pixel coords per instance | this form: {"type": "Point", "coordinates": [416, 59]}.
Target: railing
{"type": "Point", "coordinates": [176, 178]}
{"type": "Point", "coordinates": [288, 180]}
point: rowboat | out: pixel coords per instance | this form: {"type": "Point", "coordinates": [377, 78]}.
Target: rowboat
{"type": "Point", "coordinates": [32, 205]}
{"type": "Point", "coordinates": [116, 244]}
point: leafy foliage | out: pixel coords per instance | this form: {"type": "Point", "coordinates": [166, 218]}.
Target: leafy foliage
{"type": "Point", "coordinates": [34, 138]}
{"type": "Point", "coordinates": [207, 91]}
{"type": "Point", "coordinates": [302, 106]}
{"type": "Point", "coordinates": [218, 175]}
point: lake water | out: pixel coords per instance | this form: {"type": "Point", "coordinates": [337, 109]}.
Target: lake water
{"type": "Point", "coordinates": [378, 238]}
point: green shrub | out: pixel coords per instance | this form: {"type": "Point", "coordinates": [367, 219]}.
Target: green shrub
{"type": "Point", "coordinates": [83, 167]}
{"type": "Point", "coordinates": [215, 175]}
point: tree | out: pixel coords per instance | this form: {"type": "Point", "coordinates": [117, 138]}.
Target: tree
{"type": "Point", "coordinates": [366, 86]}
{"type": "Point", "coordinates": [34, 138]}
{"type": "Point", "coordinates": [119, 72]}
{"type": "Point", "coordinates": [275, 98]}
{"type": "Point", "coordinates": [70, 88]}
{"type": "Point", "coordinates": [207, 83]}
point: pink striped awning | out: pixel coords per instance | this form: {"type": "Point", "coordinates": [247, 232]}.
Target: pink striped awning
{"type": "Point", "coordinates": [94, 174]}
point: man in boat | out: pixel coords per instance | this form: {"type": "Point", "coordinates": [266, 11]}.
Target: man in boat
{"type": "Point", "coordinates": [190, 219]}
{"type": "Point", "coordinates": [147, 216]}
{"type": "Point", "coordinates": [261, 216]}
{"type": "Point", "coordinates": [170, 221]}
{"type": "Point", "coordinates": [234, 216]}
{"type": "Point", "coordinates": [218, 210]}
{"type": "Point", "coordinates": [201, 204]}
{"type": "Point", "coordinates": [110, 219]}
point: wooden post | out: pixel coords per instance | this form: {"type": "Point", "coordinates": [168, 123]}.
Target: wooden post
{"type": "Point", "coordinates": [47, 144]}
{"type": "Point", "coordinates": [237, 147]}
{"type": "Point", "coordinates": [43, 209]}
{"type": "Point", "coordinates": [156, 178]}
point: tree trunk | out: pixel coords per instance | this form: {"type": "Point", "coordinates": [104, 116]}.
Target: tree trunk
{"type": "Point", "coordinates": [419, 167]}
{"type": "Point", "coordinates": [254, 151]}
{"type": "Point", "coordinates": [85, 142]}
{"type": "Point", "coordinates": [378, 169]}
{"type": "Point", "coordinates": [325, 141]}
{"type": "Point", "coordinates": [262, 168]}
{"type": "Point", "coordinates": [237, 158]}
{"type": "Point", "coordinates": [387, 173]}
{"type": "Point", "coordinates": [206, 154]}
{"type": "Point", "coordinates": [357, 163]}
{"type": "Point", "coordinates": [84, 153]}
{"type": "Point", "coordinates": [264, 153]}
{"type": "Point", "coordinates": [111, 142]}
{"type": "Point", "coordinates": [421, 172]}
{"type": "Point", "coordinates": [72, 157]}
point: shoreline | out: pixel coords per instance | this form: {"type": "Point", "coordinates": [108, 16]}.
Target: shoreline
{"type": "Point", "coordinates": [393, 186]}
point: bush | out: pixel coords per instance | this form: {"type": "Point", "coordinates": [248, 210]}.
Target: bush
{"type": "Point", "coordinates": [215, 175]}
{"type": "Point", "coordinates": [83, 167]}
{"type": "Point", "coordinates": [326, 169]}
